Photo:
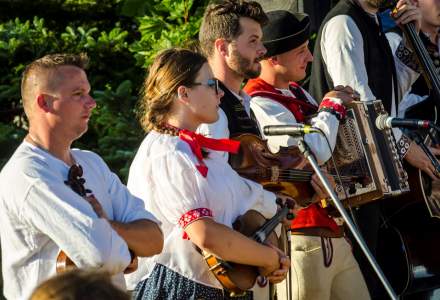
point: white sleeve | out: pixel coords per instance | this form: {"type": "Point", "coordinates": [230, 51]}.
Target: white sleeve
{"type": "Point", "coordinates": [342, 50]}
{"type": "Point", "coordinates": [406, 76]}
{"type": "Point", "coordinates": [270, 112]}
{"type": "Point", "coordinates": [409, 100]}
{"type": "Point", "coordinates": [255, 197]}
{"type": "Point", "coordinates": [183, 188]}
{"type": "Point", "coordinates": [126, 207]}
{"type": "Point", "coordinates": [69, 220]}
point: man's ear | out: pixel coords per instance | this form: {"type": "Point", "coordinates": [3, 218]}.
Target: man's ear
{"type": "Point", "coordinates": [273, 60]}
{"type": "Point", "coordinates": [221, 46]}
{"type": "Point", "coordinates": [44, 102]}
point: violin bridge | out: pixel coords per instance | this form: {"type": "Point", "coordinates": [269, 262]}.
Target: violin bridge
{"type": "Point", "coordinates": [275, 173]}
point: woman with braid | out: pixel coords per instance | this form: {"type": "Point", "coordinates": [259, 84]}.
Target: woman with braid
{"type": "Point", "coordinates": [196, 197]}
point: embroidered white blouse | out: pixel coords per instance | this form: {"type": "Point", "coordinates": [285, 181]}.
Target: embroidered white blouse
{"type": "Point", "coordinates": [165, 176]}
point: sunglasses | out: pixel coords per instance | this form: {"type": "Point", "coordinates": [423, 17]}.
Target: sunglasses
{"type": "Point", "coordinates": [75, 180]}
{"type": "Point", "coordinates": [213, 83]}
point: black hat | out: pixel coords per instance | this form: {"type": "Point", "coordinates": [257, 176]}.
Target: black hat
{"type": "Point", "coordinates": [285, 31]}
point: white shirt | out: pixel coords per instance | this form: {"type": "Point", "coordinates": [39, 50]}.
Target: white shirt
{"type": "Point", "coordinates": [165, 176]}
{"type": "Point", "coordinates": [40, 215]}
{"type": "Point", "coordinates": [220, 129]}
{"type": "Point", "coordinates": [409, 99]}
{"type": "Point", "coordinates": [343, 53]}
{"type": "Point", "coordinates": [271, 112]}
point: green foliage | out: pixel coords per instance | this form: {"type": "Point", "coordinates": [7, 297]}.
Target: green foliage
{"type": "Point", "coordinates": [169, 23]}
{"type": "Point", "coordinates": [119, 52]}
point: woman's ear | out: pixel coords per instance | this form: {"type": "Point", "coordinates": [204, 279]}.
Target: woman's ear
{"type": "Point", "coordinates": [182, 94]}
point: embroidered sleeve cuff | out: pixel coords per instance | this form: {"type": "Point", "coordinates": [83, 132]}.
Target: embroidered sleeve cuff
{"type": "Point", "coordinates": [403, 146]}
{"type": "Point", "coordinates": [408, 57]}
{"type": "Point", "coordinates": [333, 106]}
{"type": "Point", "coordinates": [194, 215]}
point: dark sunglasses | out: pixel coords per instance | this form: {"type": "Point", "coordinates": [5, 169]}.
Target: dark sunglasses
{"type": "Point", "coordinates": [213, 83]}
{"type": "Point", "coordinates": [75, 180]}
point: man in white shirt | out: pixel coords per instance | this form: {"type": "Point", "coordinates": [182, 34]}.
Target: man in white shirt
{"type": "Point", "coordinates": [41, 210]}
{"type": "Point", "coordinates": [351, 49]}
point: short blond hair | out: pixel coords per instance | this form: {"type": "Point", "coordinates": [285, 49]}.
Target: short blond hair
{"type": "Point", "coordinates": [48, 62]}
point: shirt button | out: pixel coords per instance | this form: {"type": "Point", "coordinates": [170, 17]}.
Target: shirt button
{"type": "Point", "coordinates": [435, 54]}
{"type": "Point", "coordinates": [436, 62]}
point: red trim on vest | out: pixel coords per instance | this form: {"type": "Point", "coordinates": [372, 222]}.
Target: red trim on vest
{"type": "Point", "coordinates": [192, 216]}
{"type": "Point", "coordinates": [299, 108]}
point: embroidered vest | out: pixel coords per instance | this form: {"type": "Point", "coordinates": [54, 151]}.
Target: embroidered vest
{"type": "Point", "coordinates": [299, 105]}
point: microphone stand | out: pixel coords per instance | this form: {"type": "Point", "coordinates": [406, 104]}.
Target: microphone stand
{"type": "Point", "coordinates": [305, 150]}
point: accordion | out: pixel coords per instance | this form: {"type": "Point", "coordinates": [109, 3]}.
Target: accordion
{"type": "Point", "coordinates": [365, 151]}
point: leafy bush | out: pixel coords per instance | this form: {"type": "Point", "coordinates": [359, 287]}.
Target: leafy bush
{"type": "Point", "coordinates": [119, 52]}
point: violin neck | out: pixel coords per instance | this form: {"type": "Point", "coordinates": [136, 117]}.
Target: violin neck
{"type": "Point", "coordinates": [261, 234]}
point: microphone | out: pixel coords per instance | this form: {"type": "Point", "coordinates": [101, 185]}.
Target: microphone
{"type": "Point", "coordinates": [384, 121]}
{"type": "Point", "coordinates": [292, 130]}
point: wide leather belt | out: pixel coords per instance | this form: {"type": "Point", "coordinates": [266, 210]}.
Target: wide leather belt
{"type": "Point", "coordinates": [318, 231]}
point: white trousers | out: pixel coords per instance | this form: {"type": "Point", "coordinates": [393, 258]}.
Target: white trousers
{"type": "Point", "coordinates": [310, 279]}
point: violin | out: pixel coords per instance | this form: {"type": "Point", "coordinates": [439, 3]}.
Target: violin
{"type": "Point", "coordinates": [286, 171]}
{"type": "Point", "coordinates": [238, 278]}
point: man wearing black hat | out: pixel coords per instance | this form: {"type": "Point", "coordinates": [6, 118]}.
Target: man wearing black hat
{"type": "Point", "coordinates": [323, 266]}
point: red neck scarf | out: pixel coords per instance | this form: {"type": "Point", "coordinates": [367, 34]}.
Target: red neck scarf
{"type": "Point", "coordinates": [197, 142]}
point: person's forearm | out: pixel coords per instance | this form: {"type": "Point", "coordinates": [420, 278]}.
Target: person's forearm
{"type": "Point", "coordinates": [143, 237]}
{"type": "Point", "coordinates": [230, 245]}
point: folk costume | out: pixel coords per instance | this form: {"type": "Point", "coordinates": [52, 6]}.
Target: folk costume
{"type": "Point", "coordinates": [323, 266]}
{"type": "Point", "coordinates": [184, 186]}
{"type": "Point", "coordinates": [351, 49]}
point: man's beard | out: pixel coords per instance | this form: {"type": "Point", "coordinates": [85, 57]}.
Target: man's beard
{"type": "Point", "coordinates": [242, 66]}
{"type": "Point", "coordinates": [380, 4]}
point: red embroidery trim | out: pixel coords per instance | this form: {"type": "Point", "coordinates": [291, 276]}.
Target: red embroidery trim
{"type": "Point", "coordinates": [337, 108]}
{"type": "Point", "coordinates": [192, 216]}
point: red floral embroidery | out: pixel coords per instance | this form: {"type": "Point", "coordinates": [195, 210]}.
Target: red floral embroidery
{"type": "Point", "coordinates": [191, 216]}
{"type": "Point", "coordinates": [331, 106]}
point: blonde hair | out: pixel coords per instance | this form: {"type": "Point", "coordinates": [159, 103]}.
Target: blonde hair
{"type": "Point", "coordinates": [79, 285]}
{"type": "Point", "coordinates": [171, 68]}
